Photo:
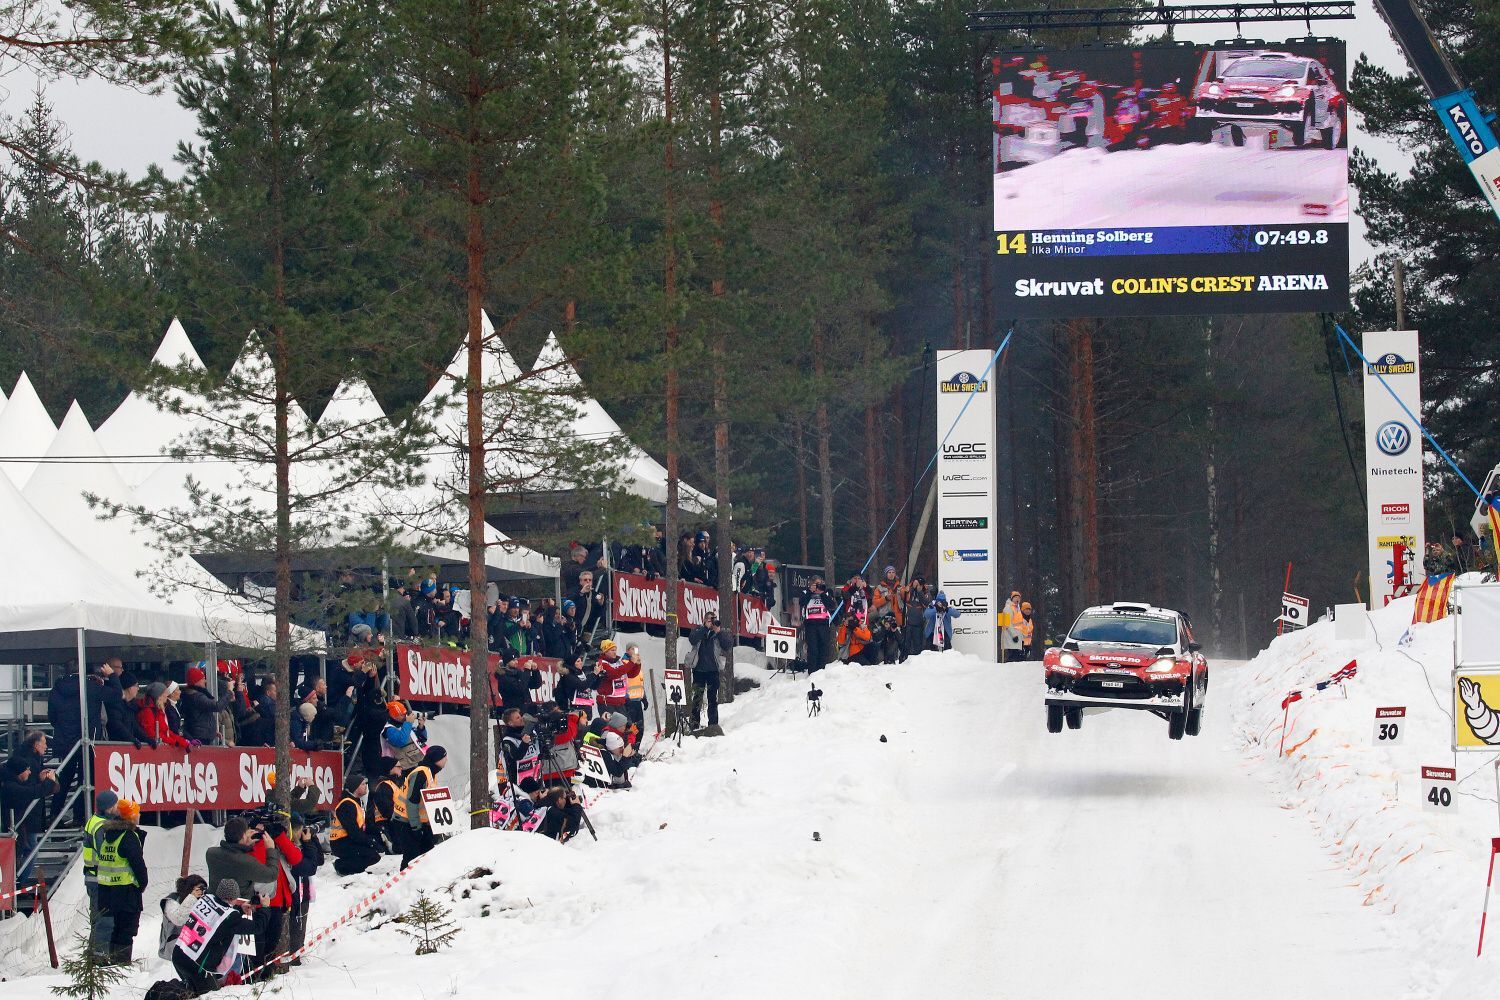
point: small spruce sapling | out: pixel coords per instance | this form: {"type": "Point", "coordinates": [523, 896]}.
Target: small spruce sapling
{"type": "Point", "coordinates": [427, 923]}
{"type": "Point", "coordinates": [90, 977]}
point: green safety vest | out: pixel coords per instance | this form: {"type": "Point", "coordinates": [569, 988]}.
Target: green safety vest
{"type": "Point", "coordinates": [113, 869]}
{"type": "Point", "coordinates": [90, 866]}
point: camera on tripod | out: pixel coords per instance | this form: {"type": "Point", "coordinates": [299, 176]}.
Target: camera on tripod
{"type": "Point", "coordinates": [814, 700]}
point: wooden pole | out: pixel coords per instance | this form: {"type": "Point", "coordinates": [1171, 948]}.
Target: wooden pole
{"type": "Point", "coordinates": [187, 844]}
{"type": "Point", "coordinates": [655, 698]}
{"type": "Point", "coordinates": [41, 897]}
{"type": "Point", "coordinates": [1286, 588]}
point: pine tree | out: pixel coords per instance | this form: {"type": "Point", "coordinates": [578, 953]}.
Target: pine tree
{"type": "Point", "coordinates": [89, 977]}
{"type": "Point", "coordinates": [494, 100]}
{"type": "Point", "coordinates": [427, 923]}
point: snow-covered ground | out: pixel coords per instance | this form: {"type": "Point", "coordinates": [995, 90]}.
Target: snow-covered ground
{"type": "Point", "coordinates": [1193, 184]}
{"type": "Point", "coordinates": [968, 854]}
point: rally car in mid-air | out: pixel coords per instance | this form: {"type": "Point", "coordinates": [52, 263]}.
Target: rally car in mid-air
{"type": "Point", "coordinates": [1126, 655]}
{"type": "Point", "coordinates": [1290, 99]}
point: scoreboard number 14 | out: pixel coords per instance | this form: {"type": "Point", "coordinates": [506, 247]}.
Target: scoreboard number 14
{"type": "Point", "coordinates": [1014, 243]}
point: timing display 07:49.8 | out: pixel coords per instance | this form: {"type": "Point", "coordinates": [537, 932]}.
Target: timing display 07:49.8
{"type": "Point", "coordinates": [1290, 237]}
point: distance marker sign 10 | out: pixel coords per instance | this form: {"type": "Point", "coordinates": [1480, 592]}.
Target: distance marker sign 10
{"type": "Point", "coordinates": [781, 642]}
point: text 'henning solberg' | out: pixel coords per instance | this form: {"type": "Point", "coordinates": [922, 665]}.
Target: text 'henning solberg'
{"type": "Point", "coordinates": [1089, 238]}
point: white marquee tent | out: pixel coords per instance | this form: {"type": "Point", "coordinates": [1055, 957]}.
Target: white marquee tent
{"type": "Point", "coordinates": [25, 432]}
{"type": "Point", "coordinates": [139, 429]}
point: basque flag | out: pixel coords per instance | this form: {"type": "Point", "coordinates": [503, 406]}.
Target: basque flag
{"type": "Point", "coordinates": [1432, 599]}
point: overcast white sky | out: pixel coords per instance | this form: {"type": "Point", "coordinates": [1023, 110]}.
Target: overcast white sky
{"type": "Point", "coordinates": [127, 130]}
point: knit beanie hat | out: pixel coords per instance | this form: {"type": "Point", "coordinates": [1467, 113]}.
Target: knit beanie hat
{"type": "Point", "coordinates": [156, 690]}
{"type": "Point", "coordinates": [106, 801]}
{"type": "Point", "coordinates": [227, 889]}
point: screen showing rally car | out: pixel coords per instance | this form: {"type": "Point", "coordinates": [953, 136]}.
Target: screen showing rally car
{"type": "Point", "coordinates": [1172, 179]}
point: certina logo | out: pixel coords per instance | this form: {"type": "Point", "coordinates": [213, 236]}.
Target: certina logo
{"type": "Point", "coordinates": [967, 452]}
{"type": "Point", "coordinates": [1392, 363]}
{"type": "Point", "coordinates": [1466, 130]}
{"type": "Point", "coordinates": [966, 555]}
{"type": "Point", "coordinates": [965, 382]}
{"type": "Point", "coordinates": [960, 523]}
{"type": "Point", "coordinates": [1392, 438]}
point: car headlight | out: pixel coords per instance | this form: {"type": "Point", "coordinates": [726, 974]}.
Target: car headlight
{"type": "Point", "coordinates": [1165, 665]}
{"type": "Point", "coordinates": [1286, 91]}
{"type": "Point", "coordinates": [1069, 660]}
{"type": "Point", "coordinates": [1213, 90]}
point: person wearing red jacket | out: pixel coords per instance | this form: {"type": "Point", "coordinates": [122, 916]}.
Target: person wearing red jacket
{"type": "Point", "coordinates": [280, 905]}
{"type": "Point", "coordinates": [151, 710]}
{"type": "Point", "coordinates": [614, 675]}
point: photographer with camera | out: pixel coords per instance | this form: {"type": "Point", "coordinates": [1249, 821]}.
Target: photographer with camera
{"type": "Point", "coordinates": [817, 613]}
{"type": "Point", "coordinates": [574, 690]}
{"type": "Point", "coordinates": [234, 858]}
{"type": "Point", "coordinates": [564, 813]}
{"type": "Point", "coordinates": [558, 730]}
{"type": "Point", "coordinates": [278, 849]}
{"type": "Point", "coordinates": [709, 643]}
{"type": "Point", "coordinates": [938, 624]}
{"type": "Point", "coordinates": [520, 746]}
{"type": "Point", "coordinates": [306, 839]}
{"type": "Point", "coordinates": [354, 849]}
{"type": "Point", "coordinates": [26, 778]}
{"type": "Point", "coordinates": [918, 597]}
{"type": "Point", "coordinates": [512, 686]}
{"type": "Point", "coordinates": [613, 678]}
{"type": "Point", "coordinates": [405, 734]}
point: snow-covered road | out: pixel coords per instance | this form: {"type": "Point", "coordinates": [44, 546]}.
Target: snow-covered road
{"type": "Point", "coordinates": [970, 855]}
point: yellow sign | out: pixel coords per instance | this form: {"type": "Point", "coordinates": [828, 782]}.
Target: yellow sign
{"type": "Point", "coordinates": [1476, 710]}
{"type": "Point", "coordinates": [1002, 619]}
{"type": "Point", "coordinates": [1390, 541]}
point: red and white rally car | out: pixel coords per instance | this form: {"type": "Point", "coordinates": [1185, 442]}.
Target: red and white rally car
{"type": "Point", "coordinates": [1272, 93]}
{"type": "Point", "coordinates": [1126, 655]}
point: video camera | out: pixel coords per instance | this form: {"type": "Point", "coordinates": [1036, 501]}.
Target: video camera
{"type": "Point", "coordinates": [268, 816]}
{"type": "Point", "coordinates": [814, 700]}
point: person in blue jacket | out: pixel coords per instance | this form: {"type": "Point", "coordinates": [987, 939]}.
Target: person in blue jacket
{"type": "Point", "coordinates": [937, 627]}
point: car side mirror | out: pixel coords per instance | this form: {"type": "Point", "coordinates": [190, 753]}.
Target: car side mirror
{"type": "Point", "coordinates": [1194, 647]}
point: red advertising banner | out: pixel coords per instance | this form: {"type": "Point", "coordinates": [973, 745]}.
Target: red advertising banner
{"type": "Point", "coordinates": [7, 873]}
{"type": "Point", "coordinates": [638, 599]}
{"type": "Point", "coordinates": [232, 778]}
{"type": "Point", "coordinates": [433, 673]}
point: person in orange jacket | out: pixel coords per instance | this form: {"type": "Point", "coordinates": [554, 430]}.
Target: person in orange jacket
{"type": "Point", "coordinates": [854, 634]}
{"type": "Point", "coordinates": [889, 595]}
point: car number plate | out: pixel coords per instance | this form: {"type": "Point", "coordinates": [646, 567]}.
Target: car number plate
{"type": "Point", "coordinates": [1244, 104]}
{"type": "Point", "coordinates": [1112, 684]}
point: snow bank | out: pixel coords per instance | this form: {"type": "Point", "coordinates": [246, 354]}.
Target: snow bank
{"type": "Point", "coordinates": [1426, 869]}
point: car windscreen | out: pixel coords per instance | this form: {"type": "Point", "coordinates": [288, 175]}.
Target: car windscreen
{"type": "Point", "coordinates": [1263, 69]}
{"type": "Point", "coordinates": [1137, 629]}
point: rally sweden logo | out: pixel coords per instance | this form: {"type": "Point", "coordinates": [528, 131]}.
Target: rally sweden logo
{"type": "Point", "coordinates": [965, 382]}
{"type": "Point", "coordinates": [1392, 363]}
{"type": "Point", "coordinates": [966, 555]}
{"type": "Point", "coordinates": [1392, 438]}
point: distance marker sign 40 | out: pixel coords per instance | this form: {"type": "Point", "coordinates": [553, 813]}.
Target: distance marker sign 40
{"type": "Point", "coordinates": [1437, 788]}
{"type": "Point", "coordinates": [781, 642]}
{"type": "Point", "coordinates": [441, 815]}
{"type": "Point", "coordinates": [1390, 726]}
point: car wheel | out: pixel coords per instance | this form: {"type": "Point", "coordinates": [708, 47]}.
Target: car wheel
{"type": "Point", "coordinates": [1054, 718]}
{"type": "Point", "coordinates": [1333, 135]}
{"type": "Point", "coordinates": [1176, 725]}
{"type": "Point", "coordinates": [1194, 721]}
{"type": "Point", "coordinates": [1299, 132]}
{"type": "Point", "coordinates": [1074, 717]}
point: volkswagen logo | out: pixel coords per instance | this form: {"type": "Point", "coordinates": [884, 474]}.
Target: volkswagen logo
{"type": "Point", "coordinates": [1393, 438]}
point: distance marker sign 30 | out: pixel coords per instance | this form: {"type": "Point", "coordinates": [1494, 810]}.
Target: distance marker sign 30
{"type": "Point", "coordinates": [591, 764]}
{"type": "Point", "coordinates": [441, 814]}
{"type": "Point", "coordinates": [1390, 726]}
{"type": "Point", "coordinates": [781, 642]}
{"type": "Point", "coordinates": [1437, 788]}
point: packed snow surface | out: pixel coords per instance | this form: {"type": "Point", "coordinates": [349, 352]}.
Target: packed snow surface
{"type": "Point", "coordinates": [1194, 184]}
{"type": "Point", "coordinates": [969, 854]}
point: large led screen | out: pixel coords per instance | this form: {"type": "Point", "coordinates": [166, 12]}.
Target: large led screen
{"type": "Point", "coordinates": [1172, 179]}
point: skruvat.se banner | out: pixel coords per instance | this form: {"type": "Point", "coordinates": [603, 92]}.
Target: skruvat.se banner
{"type": "Point", "coordinates": [232, 778]}
{"type": "Point", "coordinates": [638, 599]}
{"type": "Point", "coordinates": [438, 674]}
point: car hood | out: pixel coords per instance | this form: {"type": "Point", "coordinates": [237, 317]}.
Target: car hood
{"type": "Point", "coordinates": [1256, 88]}
{"type": "Point", "coordinates": [1105, 657]}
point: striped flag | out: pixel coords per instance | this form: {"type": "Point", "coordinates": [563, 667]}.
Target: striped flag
{"type": "Point", "coordinates": [1291, 696]}
{"type": "Point", "coordinates": [1432, 599]}
{"type": "Point", "coordinates": [1345, 672]}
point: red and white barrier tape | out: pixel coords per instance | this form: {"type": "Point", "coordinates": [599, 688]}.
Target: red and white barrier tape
{"type": "Point", "coordinates": [349, 915]}
{"type": "Point", "coordinates": [30, 890]}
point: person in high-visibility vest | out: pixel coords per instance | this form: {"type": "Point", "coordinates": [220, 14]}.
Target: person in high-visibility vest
{"type": "Point", "coordinates": [354, 850]}
{"type": "Point", "coordinates": [100, 923]}
{"type": "Point", "coordinates": [382, 806]}
{"type": "Point", "coordinates": [411, 812]}
{"type": "Point", "coordinates": [635, 692]}
{"type": "Point", "coordinates": [1027, 627]}
{"type": "Point", "coordinates": [121, 866]}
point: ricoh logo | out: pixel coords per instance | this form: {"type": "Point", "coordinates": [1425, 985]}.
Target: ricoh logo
{"type": "Point", "coordinates": [1392, 438]}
